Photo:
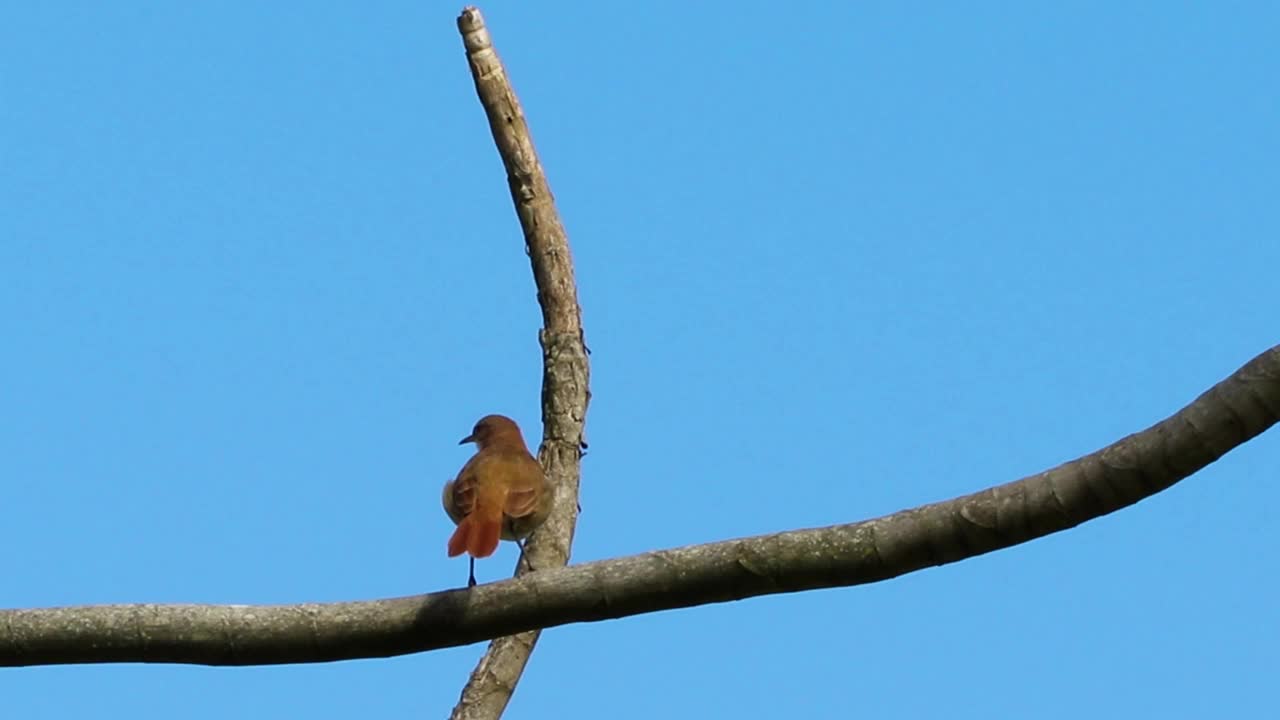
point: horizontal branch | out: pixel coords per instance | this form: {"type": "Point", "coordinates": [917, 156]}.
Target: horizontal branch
{"type": "Point", "coordinates": [1230, 413]}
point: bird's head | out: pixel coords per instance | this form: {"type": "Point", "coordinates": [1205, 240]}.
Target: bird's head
{"type": "Point", "coordinates": [493, 430]}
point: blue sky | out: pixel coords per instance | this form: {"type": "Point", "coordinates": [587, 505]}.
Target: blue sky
{"type": "Point", "coordinates": [262, 272]}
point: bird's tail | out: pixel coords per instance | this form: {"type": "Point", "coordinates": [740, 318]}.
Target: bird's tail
{"type": "Point", "coordinates": [478, 534]}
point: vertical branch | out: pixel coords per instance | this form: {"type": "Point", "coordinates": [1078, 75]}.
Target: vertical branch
{"type": "Point", "coordinates": [565, 370]}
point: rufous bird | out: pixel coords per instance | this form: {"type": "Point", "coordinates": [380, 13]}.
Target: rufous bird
{"type": "Point", "coordinates": [500, 493]}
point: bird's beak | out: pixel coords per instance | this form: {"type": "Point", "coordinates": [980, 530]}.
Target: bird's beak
{"type": "Point", "coordinates": [467, 439]}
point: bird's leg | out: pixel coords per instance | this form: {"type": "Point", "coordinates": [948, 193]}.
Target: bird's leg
{"type": "Point", "coordinates": [471, 580]}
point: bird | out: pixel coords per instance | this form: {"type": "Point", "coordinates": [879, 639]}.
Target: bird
{"type": "Point", "coordinates": [500, 493]}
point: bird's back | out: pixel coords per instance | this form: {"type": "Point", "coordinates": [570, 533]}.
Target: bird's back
{"type": "Point", "coordinates": [509, 473]}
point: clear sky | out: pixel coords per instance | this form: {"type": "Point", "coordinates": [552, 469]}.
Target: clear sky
{"type": "Point", "coordinates": [259, 272]}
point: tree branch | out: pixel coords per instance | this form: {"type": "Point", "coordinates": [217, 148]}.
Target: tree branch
{"type": "Point", "coordinates": [565, 371]}
{"type": "Point", "coordinates": [1230, 413]}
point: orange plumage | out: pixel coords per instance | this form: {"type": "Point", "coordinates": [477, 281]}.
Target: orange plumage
{"type": "Point", "coordinates": [500, 493]}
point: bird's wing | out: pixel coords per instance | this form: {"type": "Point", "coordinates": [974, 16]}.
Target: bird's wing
{"type": "Point", "coordinates": [526, 487]}
{"type": "Point", "coordinates": [450, 506]}
{"type": "Point", "coordinates": [463, 491]}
